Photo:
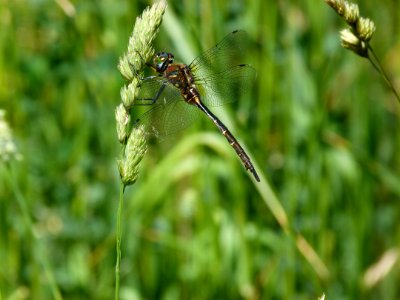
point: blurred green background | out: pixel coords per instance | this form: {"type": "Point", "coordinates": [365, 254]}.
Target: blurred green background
{"type": "Point", "coordinates": [320, 124]}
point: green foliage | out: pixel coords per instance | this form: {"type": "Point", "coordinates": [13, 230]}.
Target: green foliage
{"type": "Point", "coordinates": [321, 125]}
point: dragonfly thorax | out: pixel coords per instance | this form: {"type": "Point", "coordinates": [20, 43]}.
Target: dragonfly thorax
{"type": "Point", "coordinates": [162, 60]}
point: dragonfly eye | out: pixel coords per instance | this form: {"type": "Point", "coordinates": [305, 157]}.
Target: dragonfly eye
{"type": "Point", "coordinates": [162, 60]}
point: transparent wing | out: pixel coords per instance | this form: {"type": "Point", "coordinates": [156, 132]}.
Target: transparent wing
{"type": "Point", "coordinates": [226, 86]}
{"type": "Point", "coordinates": [219, 75]}
{"type": "Point", "coordinates": [150, 90]}
{"type": "Point", "coordinates": [169, 112]}
{"type": "Point", "coordinates": [219, 72]}
{"type": "Point", "coordinates": [227, 53]}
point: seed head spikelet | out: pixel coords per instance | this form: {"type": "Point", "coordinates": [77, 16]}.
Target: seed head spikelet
{"type": "Point", "coordinates": [128, 93]}
{"type": "Point", "coordinates": [134, 152]}
{"type": "Point", "coordinates": [347, 10]}
{"type": "Point", "coordinates": [365, 29]}
{"type": "Point", "coordinates": [357, 37]}
{"type": "Point", "coordinates": [362, 28]}
{"type": "Point", "coordinates": [123, 122]}
{"type": "Point", "coordinates": [351, 13]}
{"type": "Point", "coordinates": [353, 43]}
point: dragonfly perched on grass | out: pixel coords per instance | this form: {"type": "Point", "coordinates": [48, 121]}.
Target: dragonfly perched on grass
{"type": "Point", "coordinates": [179, 92]}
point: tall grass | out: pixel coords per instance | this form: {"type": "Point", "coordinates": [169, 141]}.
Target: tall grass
{"type": "Point", "coordinates": [321, 125]}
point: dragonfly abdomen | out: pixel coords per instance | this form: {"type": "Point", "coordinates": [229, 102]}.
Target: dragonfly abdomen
{"type": "Point", "coordinates": [232, 141]}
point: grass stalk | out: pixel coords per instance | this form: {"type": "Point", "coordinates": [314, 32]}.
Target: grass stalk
{"type": "Point", "coordinates": [357, 37]}
{"type": "Point", "coordinates": [379, 68]}
{"type": "Point", "coordinates": [119, 237]}
{"type": "Point", "coordinates": [133, 140]}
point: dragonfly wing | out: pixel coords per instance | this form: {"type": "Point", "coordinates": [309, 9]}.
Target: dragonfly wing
{"type": "Point", "coordinates": [227, 53]}
{"type": "Point", "coordinates": [149, 89]}
{"type": "Point", "coordinates": [226, 86]}
{"type": "Point", "coordinates": [219, 72]}
{"type": "Point", "coordinates": [169, 113]}
{"type": "Point", "coordinates": [178, 116]}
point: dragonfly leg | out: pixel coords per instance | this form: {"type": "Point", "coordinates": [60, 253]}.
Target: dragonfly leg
{"type": "Point", "coordinates": [150, 101]}
{"type": "Point", "coordinates": [143, 61]}
{"type": "Point", "coordinates": [150, 65]}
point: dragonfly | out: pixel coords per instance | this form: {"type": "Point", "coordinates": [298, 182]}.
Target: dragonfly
{"type": "Point", "coordinates": [178, 93]}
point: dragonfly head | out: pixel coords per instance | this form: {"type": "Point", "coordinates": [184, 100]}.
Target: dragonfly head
{"type": "Point", "coordinates": [162, 60]}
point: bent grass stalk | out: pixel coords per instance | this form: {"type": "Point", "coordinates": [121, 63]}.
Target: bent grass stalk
{"type": "Point", "coordinates": [357, 37]}
{"type": "Point", "coordinates": [132, 140]}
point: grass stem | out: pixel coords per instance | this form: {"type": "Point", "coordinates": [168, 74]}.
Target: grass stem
{"type": "Point", "coordinates": [378, 67]}
{"type": "Point", "coordinates": [119, 239]}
